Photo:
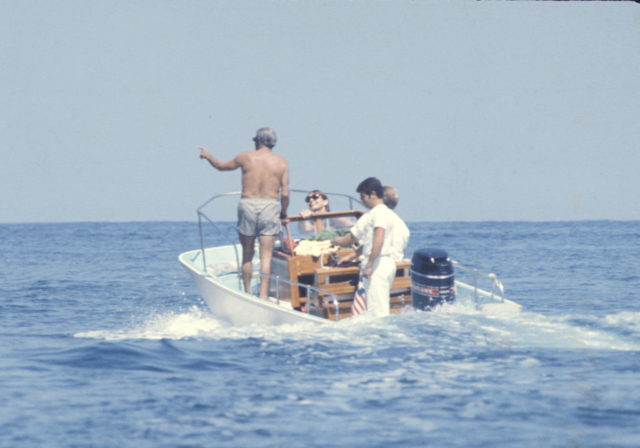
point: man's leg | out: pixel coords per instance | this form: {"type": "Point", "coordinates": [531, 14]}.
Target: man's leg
{"type": "Point", "coordinates": [248, 244]}
{"type": "Point", "coordinates": [266, 252]}
{"type": "Point", "coordinates": [379, 287]}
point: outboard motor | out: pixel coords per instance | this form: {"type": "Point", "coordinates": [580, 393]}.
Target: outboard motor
{"type": "Point", "coordinates": [432, 279]}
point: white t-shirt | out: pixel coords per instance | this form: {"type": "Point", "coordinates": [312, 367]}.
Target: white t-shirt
{"type": "Point", "coordinates": [396, 232]}
{"type": "Point", "coordinates": [379, 216]}
{"type": "Point", "coordinates": [362, 231]}
{"type": "Point", "coordinates": [399, 238]}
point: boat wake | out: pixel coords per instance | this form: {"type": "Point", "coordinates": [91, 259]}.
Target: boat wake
{"type": "Point", "coordinates": [195, 323]}
{"type": "Point", "coordinates": [496, 328]}
{"type": "Point", "coordinates": [619, 331]}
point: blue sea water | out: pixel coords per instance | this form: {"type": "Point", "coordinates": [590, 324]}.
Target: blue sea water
{"type": "Point", "coordinates": [104, 341]}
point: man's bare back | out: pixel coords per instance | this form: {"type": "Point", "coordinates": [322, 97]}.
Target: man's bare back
{"type": "Point", "coordinates": [263, 174]}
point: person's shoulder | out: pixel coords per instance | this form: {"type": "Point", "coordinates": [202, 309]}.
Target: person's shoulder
{"type": "Point", "coordinates": [279, 157]}
{"type": "Point", "coordinates": [245, 155]}
{"type": "Point", "coordinates": [382, 210]}
{"type": "Point", "coordinates": [400, 221]}
{"type": "Point", "coordinates": [269, 154]}
{"type": "Point", "coordinates": [400, 224]}
{"type": "Point", "coordinates": [395, 215]}
{"type": "Point", "coordinates": [362, 221]}
{"type": "Point", "coordinates": [364, 217]}
{"type": "Point", "coordinates": [381, 215]}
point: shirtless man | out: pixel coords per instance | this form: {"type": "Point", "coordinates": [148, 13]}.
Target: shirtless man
{"type": "Point", "coordinates": [265, 179]}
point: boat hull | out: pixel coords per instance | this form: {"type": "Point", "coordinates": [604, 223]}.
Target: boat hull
{"type": "Point", "coordinates": [222, 292]}
{"type": "Point", "coordinates": [221, 288]}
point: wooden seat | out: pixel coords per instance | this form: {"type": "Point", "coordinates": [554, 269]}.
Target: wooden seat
{"type": "Point", "coordinates": [301, 268]}
{"type": "Point", "coordinates": [339, 281]}
{"type": "Point", "coordinates": [342, 282]}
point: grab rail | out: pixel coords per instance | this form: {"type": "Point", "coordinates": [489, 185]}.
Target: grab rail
{"type": "Point", "coordinates": [202, 216]}
{"type": "Point", "coordinates": [495, 283]}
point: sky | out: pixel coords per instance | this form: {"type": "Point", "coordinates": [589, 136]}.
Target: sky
{"type": "Point", "coordinates": [474, 111]}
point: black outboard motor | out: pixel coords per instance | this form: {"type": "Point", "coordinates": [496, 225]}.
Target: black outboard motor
{"type": "Point", "coordinates": [432, 279]}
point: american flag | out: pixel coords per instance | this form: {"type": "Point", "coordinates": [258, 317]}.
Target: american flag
{"type": "Point", "coordinates": [359, 304]}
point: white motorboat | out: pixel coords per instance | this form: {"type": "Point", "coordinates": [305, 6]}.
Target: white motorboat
{"type": "Point", "coordinates": [306, 285]}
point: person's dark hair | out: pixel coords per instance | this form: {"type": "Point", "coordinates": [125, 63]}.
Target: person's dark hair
{"type": "Point", "coordinates": [370, 184]}
{"type": "Point", "coordinates": [266, 136]}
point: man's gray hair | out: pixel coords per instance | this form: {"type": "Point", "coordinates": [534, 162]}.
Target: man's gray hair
{"type": "Point", "coordinates": [266, 136]}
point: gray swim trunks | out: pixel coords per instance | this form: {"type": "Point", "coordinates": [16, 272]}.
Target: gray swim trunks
{"type": "Point", "coordinates": [258, 216]}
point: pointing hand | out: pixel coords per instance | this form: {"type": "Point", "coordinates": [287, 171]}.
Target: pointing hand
{"type": "Point", "coordinates": [204, 154]}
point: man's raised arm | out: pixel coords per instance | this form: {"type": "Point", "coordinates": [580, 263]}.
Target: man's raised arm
{"type": "Point", "coordinates": [217, 164]}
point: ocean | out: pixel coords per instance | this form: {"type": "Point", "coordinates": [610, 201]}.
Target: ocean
{"type": "Point", "coordinates": [105, 341]}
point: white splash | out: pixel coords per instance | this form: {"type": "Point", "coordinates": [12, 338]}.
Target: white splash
{"type": "Point", "coordinates": [196, 323]}
{"type": "Point", "coordinates": [191, 324]}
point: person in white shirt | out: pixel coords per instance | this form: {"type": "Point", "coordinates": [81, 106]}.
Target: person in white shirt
{"type": "Point", "coordinates": [401, 231]}
{"type": "Point", "coordinates": [400, 237]}
{"type": "Point", "coordinates": [375, 231]}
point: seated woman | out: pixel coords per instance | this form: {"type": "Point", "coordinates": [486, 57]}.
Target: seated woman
{"type": "Point", "coordinates": [319, 203]}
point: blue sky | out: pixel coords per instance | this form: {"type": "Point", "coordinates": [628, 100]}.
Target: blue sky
{"type": "Point", "coordinates": [473, 110]}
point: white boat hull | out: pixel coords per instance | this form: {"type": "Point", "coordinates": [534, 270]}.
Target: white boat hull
{"type": "Point", "coordinates": [222, 292]}
{"type": "Point", "coordinates": [221, 289]}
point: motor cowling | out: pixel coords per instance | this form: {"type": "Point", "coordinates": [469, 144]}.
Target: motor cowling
{"type": "Point", "coordinates": [432, 278]}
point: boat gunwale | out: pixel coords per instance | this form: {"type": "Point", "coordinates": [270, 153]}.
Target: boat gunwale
{"type": "Point", "coordinates": [303, 316]}
{"type": "Point", "coordinates": [238, 293]}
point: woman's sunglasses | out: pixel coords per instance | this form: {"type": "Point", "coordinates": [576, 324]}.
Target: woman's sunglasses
{"type": "Point", "coordinates": [313, 196]}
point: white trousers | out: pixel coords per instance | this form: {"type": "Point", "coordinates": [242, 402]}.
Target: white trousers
{"type": "Point", "coordinates": [378, 287]}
